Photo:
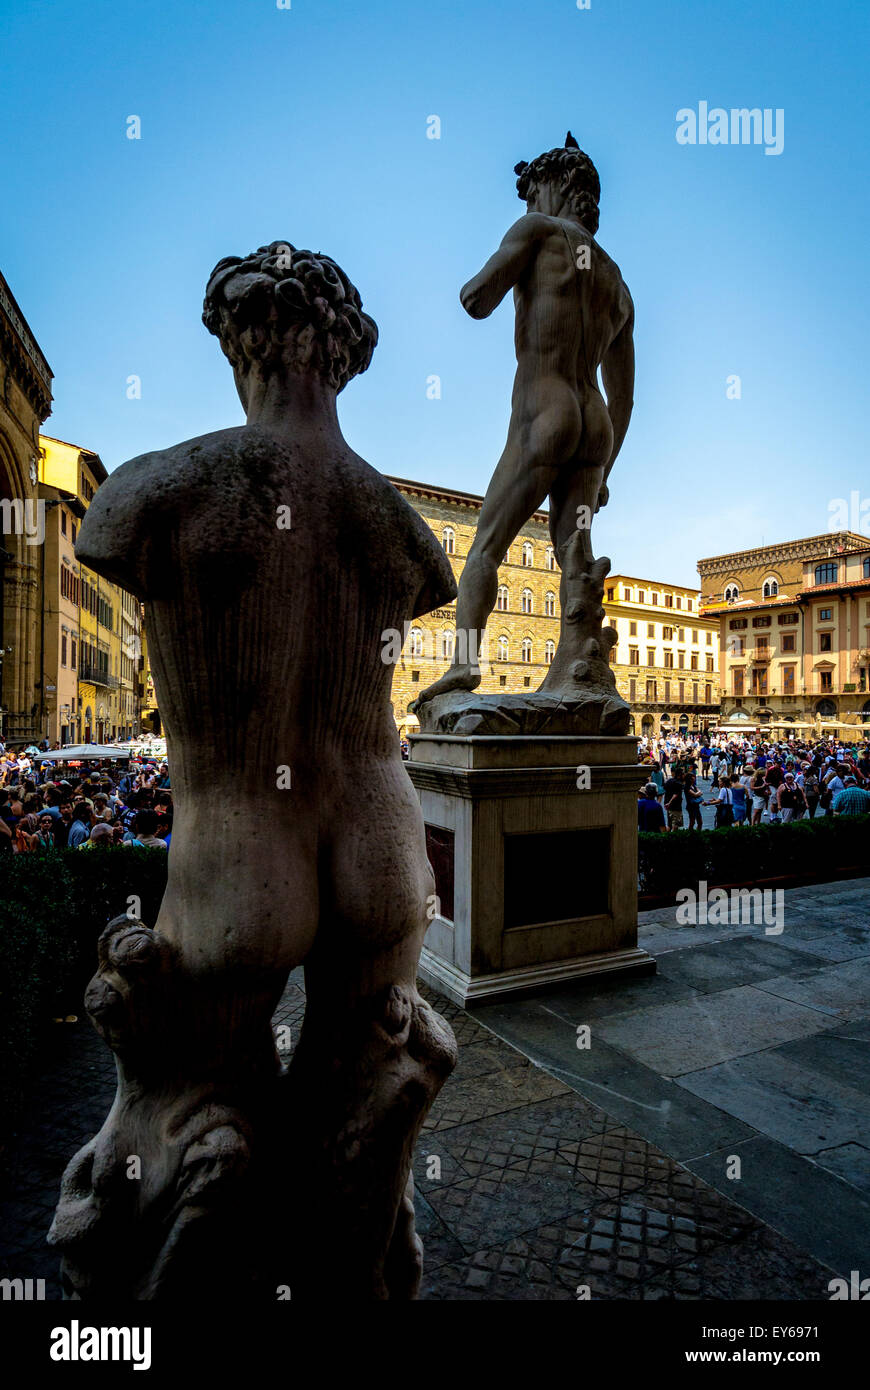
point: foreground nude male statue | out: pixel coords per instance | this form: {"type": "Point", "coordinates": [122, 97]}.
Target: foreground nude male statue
{"type": "Point", "coordinates": [271, 560]}
{"type": "Point", "coordinates": [574, 315]}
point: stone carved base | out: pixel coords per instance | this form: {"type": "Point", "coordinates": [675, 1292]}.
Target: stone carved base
{"type": "Point", "coordinates": [247, 1179]}
{"type": "Point", "coordinates": [591, 710]}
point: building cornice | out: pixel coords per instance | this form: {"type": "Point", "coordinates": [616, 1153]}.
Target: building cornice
{"type": "Point", "coordinates": [447, 494]}
{"type": "Point", "coordinates": [25, 356]}
{"type": "Point", "coordinates": [824, 546]}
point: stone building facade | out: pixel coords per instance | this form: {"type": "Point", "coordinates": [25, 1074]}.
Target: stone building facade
{"type": "Point", "coordinates": [794, 634]}
{"type": "Point", "coordinates": [25, 401]}
{"type": "Point", "coordinates": [93, 650]}
{"type": "Point", "coordinates": [666, 658]}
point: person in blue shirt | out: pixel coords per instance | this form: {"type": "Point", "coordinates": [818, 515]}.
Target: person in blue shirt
{"type": "Point", "coordinates": [83, 820]}
{"type": "Point", "coordinates": [650, 816]}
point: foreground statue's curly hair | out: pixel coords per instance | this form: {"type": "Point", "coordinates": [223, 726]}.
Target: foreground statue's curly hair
{"type": "Point", "coordinates": [280, 305]}
{"type": "Point", "coordinates": [574, 170]}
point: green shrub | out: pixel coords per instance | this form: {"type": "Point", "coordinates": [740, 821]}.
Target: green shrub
{"type": "Point", "coordinates": [53, 908]}
{"type": "Point", "coordinates": [683, 858]}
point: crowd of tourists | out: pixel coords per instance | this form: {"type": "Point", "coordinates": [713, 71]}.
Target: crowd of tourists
{"type": "Point", "coordinates": [750, 781]}
{"type": "Point", "coordinates": [91, 805]}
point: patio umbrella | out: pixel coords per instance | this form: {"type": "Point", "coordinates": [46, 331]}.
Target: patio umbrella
{"type": "Point", "coordinates": [84, 752]}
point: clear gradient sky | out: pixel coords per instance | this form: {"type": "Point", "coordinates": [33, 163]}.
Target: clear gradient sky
{"type": "Point", "coordinates": [309, 124]}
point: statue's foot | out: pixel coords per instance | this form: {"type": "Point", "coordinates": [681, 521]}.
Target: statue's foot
{"type": "Point", "coordinates": [456, 678]}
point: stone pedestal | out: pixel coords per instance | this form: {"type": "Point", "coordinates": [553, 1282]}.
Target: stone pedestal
{"type": "Point", "coordinates": [533, 841]}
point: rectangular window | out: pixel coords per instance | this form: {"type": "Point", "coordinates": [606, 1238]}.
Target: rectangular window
{"type": "Point", "coordinates": [632, 691]}
{"type": "Point", "coordinates": [761, 644]}
{"type": "Point", "coordinates": [650, 656]}
{"type": "Point", "coordinates": [788, 680]}
{"type": "Point", "coordinates": [709, 639]}
{"type": "Point", "coordinates": [655, 599]}
{"type": "Point", "coordinates": [627, 593]}
{"type": "Point", "coordinates": [826, 615]}
{"type": "Point", "coordinates": [694, 662]}
{"type": "Point", "coordinates": [63, 649]}
{"type": "Point", "coordinates": [825, 641]}
{"type": "Point", "coordinates": [738, 681]}
{"type": "Point", "coordinates": [682, 691]}
{"type": "Point", "coordinates": [669, 600]}
{"type": "Point", "coordinates": [62, 522]}
{"type": "Point", "coordinates": [632, 629]}
{"type": "Point", "coordinates": [694, 692]}
{"type": "Point", "coordinates": [690, 604]}
{"type": "Point", "coordinates": [826, 680]}
{"type": "Point", "coordinates": [695, 636]}
{"type": "Point", "coordinates": [72, 660]}
{"type": "Point", "coordinates": [669, 661]}
{"type": "Point", "coordinates": [641, 596]}
{"type": "Point", "coordinates": [786, 619]}
{"type": "Point", "coordinates": [709, 663]}
{"type": "Point", "coordinates": [737, 624]}
{"type": "Point", "coordinates": [651, 690]}
{"type": "Point", "coordinates": [679, 601]}
{"type": "Point", "coordinates": [761, 622]}
{"type": "Point", "coordinates": [667, 633]}
{"type": "Point", "coordinates": [633, 656]}
{"type": "Point", "coordinates": [667, 692]}
{"type": "Point", "coordinates": [650, 629]}
{"type": "Point", "coordinates": [789, 640]}
{"type": "Point", "coordinates": [681, 660]}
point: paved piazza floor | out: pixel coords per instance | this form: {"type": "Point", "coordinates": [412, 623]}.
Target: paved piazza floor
{"type": "Point", "coordinates": [712, 1141]}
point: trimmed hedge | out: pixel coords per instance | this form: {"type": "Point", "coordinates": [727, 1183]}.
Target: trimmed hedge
{"type": "Point", "coordinates": [815, 848]}
{"type": "Point", "coordinates": [53, 907]}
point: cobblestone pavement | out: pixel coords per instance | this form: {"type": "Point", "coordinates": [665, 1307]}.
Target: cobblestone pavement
{"type": "Point", "coordinates": [526, 1189]}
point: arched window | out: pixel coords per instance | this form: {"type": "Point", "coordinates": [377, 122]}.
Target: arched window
{"type": "Point", "coordinates": [448, 540]}
{"type": "Point", "coordinates": [549, 651]}
{"type": "Point", "coordinates": [415, 642]}
{"type": "Point", "coordinates": [732, 593]}
{"type": "Point", "coordinates": [527, 601]}
{"type": "Point", "coordinates": [826, 574]}
{"type": "Point", "coordinates": [551, 558]}
{"type": "Point", "coordinates": [770, 588]}
{"type": "Point", "coordinates": [503, 649]}
{"type": "Point", "coordinates": [447, 641]}
{"type": "Point", "coordinates": [550, 604]}
{"type": "Point", "coordinates": [502, 598]}
{"type": "Point", "coordinates": [527, 649]}
{"type": "Point", "coordinates": [528, 554]}
{"type": "Point", "coordinates": [826, 709]}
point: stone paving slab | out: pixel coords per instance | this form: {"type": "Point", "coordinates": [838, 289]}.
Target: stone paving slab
{"type": "Point", "coordinates": [745, 960]}
{"type": "Point", "coordinates": [817, 1210]}
{"type": "Point", "coordinates": [710, 1028]}
{"type": "Point", "coordinates": [839, 989]}
{"type": "Point", "coordinates": [638, 1096]}
{"type": "Point", "coordinates": [804, 1108]}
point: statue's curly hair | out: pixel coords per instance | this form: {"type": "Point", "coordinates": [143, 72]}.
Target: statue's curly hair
{"type": "Point", "coordinates": [573, 170]}
{"type": "Point", "coordinates": [280, 305]}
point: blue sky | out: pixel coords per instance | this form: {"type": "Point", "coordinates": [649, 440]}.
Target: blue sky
{"type": "Point", "coordinates": [310, 124]}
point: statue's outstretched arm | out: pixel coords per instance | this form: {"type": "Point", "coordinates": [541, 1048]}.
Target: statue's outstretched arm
{"type": "Point", "coordinates": [488, 288]}
{"type": "Point", "coordinates": [617, 373]}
